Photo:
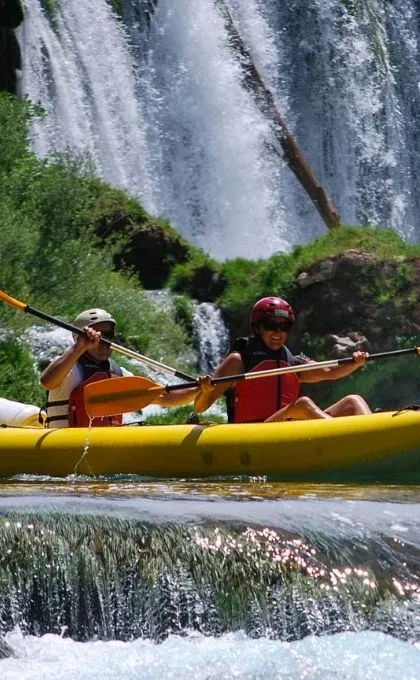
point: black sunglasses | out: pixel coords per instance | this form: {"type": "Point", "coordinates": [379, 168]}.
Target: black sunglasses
{"type": "Point", "coordinates": [274, 326]}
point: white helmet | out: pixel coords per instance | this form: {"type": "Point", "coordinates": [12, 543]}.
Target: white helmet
{"type": "Point", "coordinates": [90, 317]}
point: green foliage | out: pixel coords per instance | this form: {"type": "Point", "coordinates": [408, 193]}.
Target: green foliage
{"type": "Point", "coordinates": [56, 193]}
{"type": "Point", "coordinates": [173, 416]}
{"type": "Point", "coordinates": [51, 256]}
{"type": "Point", "coordinates": [14, 117]}
{"type": "Point", "coordinates": [17, 242]}
{"type": "Point", "coordinates": [146, 245]}
{"type": "Point", "coordinates": [386, 244]}
{"type": "Point", "coordinates": [279, 271]}
{"type": "Point", "coordinates": [311, 345]}
{"type": "Point", "coordinates": [385, 384]}
{"type": "Point", "coordinates": [184, 314]}
{"type": "Point", "coordinates": [117, 7]}
{"type": "Point", "coordinates": [111, 206]}
{"type": "Point", "coordinates": [247, 281]}
{"type": "Point", "coordinates": [199, 277]}
{"type": "Point", "coordinates": [243, 280]}
{"type": "Point", "coordinates": [277, 274]}
{"type": "Point", "coordinates": [179, 416]}
{"type": "Point", "coordinates": [19, 378]}
{"type": "Point", "coordinates": [52, 10]}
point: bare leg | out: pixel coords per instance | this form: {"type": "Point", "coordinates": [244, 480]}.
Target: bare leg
{"type": "Point", "coordinates": [351, 405]}
{"type": "Point", "coordinates": [301, 409]}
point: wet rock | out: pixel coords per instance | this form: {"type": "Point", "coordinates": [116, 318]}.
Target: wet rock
{"type": "Point", "coordinates": [11, 15]}
{"type": "Point", "coordinates": [323, 272]}
{"type": "Point", "coordinates": [343, 346]}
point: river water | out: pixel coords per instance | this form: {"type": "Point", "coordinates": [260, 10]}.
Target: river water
{"type": "Point", "coordinates": [133, 578]}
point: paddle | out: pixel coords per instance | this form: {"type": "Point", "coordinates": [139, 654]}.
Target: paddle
{"type": "Point", "coordinates": [120, 395]}
{"type": "Point", "coordinates": [73, 329]}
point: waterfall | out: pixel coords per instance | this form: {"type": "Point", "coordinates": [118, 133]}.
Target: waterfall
{"type": "Point", "coordinates": [352, 75]}
{"type": "Point", "coordinates": [77, 63]}
{"type": "Point", "coordinates": [212, 337]}
{"type": "Point", "coordinates": [159, 103]}
{"type": "Point", "coordinates": [111, 579]}
{"type": "Point", "coordinates": [211, 143]}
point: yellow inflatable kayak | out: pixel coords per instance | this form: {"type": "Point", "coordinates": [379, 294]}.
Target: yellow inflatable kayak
{"type": "Point", "coordinates": [379, 447]}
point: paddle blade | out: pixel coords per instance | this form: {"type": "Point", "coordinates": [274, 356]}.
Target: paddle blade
{"type": "Point", "coordinates": [120, 395]}
{"type": "Point", "coordinates": [12, 301]}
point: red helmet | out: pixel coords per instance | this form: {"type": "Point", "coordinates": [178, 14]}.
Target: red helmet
{"type": "Point", "coordinates": [272, 308]}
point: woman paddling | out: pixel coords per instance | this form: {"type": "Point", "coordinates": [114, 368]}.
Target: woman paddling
{"type": "Point", "coordinates": [277, 397]}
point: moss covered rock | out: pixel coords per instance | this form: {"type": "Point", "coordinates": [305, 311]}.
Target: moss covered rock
{"type": "Point", "coordinates": [146, 245]}
{"type": "Point", "coordinates": [359, 292]}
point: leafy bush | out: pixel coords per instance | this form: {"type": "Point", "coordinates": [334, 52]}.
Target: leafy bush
{"type": "Point", "coordinates": [387, 385]}
{"type": "Point", "coordinates": [200, 277]}
{"type": "Point", "coordinates": [17, 242]}
{"type": "Point", "coordinates": [178, 416]}
{"type": "Point", "coordinates": [14, 117]}
{"type": "Point", "coordinates": [184, 314]}
{"type": "Point", "coordinates": [51, 256]}
{"type": "Point", "coordinates": [19, 378]}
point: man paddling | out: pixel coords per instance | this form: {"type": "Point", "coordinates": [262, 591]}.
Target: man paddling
{"type": "Point", "coordinates": [89, 360]}
{"type": "Point", "coordinates": [275, 398]}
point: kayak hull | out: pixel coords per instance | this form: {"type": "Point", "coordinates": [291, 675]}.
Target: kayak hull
{"type": "Point", "coordinates": [382, 447]}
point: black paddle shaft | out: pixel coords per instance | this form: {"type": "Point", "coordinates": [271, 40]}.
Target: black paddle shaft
{"type": "Point", "coordinates": [298, 369]}
{"type": "Point", "coordinates": [384, 355]}
{"type": "Point", "coordinates": [59, 322]}
{"type": "Point", "coordinates": [104, 341]}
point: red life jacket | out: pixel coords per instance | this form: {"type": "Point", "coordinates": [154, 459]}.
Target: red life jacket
{"type": "Point", "coordinates": [77, 412]}
{"type": "Point", "coordinates": [257, 400]}
{"type": "Point", "coordinates": [253, 401]}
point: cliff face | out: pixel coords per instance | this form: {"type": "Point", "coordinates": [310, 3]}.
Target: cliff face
{"type": "Point", "coordinates": [11, 15]}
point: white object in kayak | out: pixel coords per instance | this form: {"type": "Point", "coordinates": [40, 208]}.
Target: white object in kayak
{"type": "Point", "coordinates": [16, 414]}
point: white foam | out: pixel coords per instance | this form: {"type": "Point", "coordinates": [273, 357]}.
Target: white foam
{"type": "Point", "coordinates": [345, 656]}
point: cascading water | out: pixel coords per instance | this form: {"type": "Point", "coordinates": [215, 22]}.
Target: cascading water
{"type": "Point", "coordinates": [339, 578]}
{"type": "Point", "coordinates": [212, 337]}
{"type": "Point", "coordinates": [352, 101]}
{"type": "Point", "coordinates": [136, 579]}
{"type": "Point", "coordinates": [210, 140]}
{"type": "Point", "coordinates": [77, 64]}
{"type": "Point", "coordinates": [164, 113]}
